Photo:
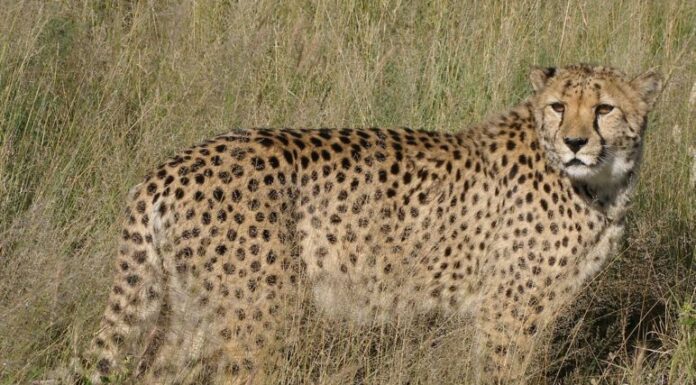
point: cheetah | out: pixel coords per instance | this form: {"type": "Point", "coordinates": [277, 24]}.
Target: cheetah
{"type": "Point", "coordinates": [501, 222]}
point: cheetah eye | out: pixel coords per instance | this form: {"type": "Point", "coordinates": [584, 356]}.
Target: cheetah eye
{"type": "Point", "coordinates": [558, 107]}
{"type": "Point", "coordinates": [603, 109]}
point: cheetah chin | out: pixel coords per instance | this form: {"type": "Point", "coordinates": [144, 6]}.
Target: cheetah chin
{"type": "Point", "coordinates": [606, 171]}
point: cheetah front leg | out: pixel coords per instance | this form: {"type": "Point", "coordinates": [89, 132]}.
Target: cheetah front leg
{"type": "Point", "coordinates": [508, 325]}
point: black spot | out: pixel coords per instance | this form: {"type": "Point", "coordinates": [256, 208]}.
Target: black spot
{"type": "Point", "coordinates": [236, 196]}
{"type": "Point", "coordinates": [266, 142]}
{"type": "Point", "coordinates": [395, 168]}
{"type": "Point", "coordinates": [407, 178]}
{"type": "Point", "coordinates": [325, 133]}
{"type": "Point", "coordinates": [513, 171]}
{"type": "Point", "coordinates": [218, 194]}
{"type": "Point", "coordinates": [104, 366]}
{"type": "Point", "coordinates": [271, 257]}
{"type": "Point", "coordinates": [139, 256]}
{"type": "Point", "coordinates": [316, 141]}
{"type": "Point", "coordinates": [299, 144]}
{"type": "Point", "coordinates": [258, 163]}
{"type": "Point", "coordinates": [288, 156]}
{"type": "Point", "coordinates": [132, 279]}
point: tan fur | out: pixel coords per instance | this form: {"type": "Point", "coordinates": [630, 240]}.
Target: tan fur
{"type": "Point", "coordinates": [490, 222]}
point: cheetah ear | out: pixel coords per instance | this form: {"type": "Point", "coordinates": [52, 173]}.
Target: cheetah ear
{"type": "Point", "coordinates": [648, 85]}
{"type": "Point", "coordinates": [539, 76]}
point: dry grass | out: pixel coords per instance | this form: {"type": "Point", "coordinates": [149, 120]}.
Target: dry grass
{"type": "Point", "coordinates": [93, 93]}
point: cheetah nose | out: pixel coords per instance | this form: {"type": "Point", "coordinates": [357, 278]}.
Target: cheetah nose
{"type": "Point", "coordinates": [574, 144]}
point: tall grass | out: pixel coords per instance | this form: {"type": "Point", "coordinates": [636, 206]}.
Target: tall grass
{"type": "Point", "coordinates": [94, 93]}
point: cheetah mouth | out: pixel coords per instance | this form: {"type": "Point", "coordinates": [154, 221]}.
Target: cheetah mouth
{"type": "Point", "coordinates": [587, 161]}
{"type": "Point", "coordinates": [582, 168]}
{"type": "Point", "coordinates": [575, 162]}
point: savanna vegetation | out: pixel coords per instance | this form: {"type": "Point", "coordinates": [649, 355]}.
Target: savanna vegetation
{"type": "Point", "coordinates": [95, 93]}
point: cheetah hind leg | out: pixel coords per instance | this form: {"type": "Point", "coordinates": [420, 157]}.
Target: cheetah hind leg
{"type": "Point", "coordinates": [134, 308]}
{"type": "Point", "coordinates": [176, 365]}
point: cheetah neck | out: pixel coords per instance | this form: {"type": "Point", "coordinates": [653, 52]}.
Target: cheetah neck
{"type": "Point", "coordinates": [611, 199]}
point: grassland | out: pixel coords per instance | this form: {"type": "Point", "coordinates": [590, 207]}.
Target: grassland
{"type": "Point", "coordinates": [94, 93]}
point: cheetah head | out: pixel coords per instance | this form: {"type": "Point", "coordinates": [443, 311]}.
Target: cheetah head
{"type": "Point", "coordinates": [590, 120]}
